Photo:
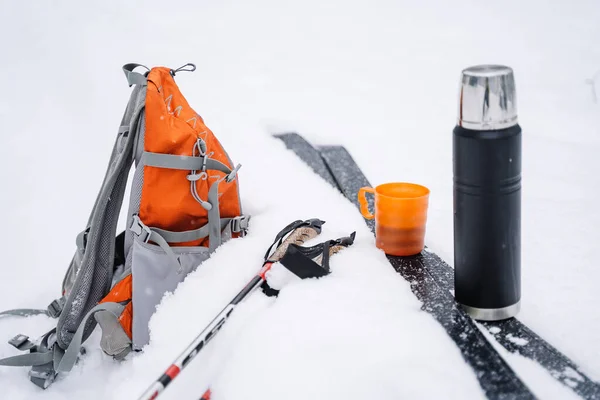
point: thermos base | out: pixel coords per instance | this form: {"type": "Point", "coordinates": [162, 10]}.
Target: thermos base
{"type": "Point", "coordinates": [493, 314]}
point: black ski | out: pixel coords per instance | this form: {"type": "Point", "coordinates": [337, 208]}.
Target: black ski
{"type": "Point", "coordinates": [432, 281]}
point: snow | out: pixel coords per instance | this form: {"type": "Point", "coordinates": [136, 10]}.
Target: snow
{"type": "Point", "coordinates": [517, 340]}
{"type": "Point", "coordinates": [495, 330]}
{"type": "Point", "coordinates": [539, 381]}
{"type": "Point", "coordinates": [378, 77]}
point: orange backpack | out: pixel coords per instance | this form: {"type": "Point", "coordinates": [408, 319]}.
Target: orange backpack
{"type": "Point", "coordinates": [184, 203]}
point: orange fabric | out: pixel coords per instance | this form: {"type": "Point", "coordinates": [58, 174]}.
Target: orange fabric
{"type": "Point", "coordinates": [122, 292]}
{"type": "Point", "coordinates": [126, 319]}
{"type": "Point", "coordinates": [172, 127]}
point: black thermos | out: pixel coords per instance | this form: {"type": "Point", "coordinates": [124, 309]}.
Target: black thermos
{"type": "Point", "coordinates": [487, 194]}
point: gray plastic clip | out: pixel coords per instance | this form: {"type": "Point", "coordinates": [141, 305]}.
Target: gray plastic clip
{"type": "Point", "coordinates": [55, 308]}
{"type": "Point", "coordinates": [21, 342]}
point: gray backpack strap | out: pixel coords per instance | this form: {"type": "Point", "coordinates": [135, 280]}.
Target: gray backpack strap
{"type": "Point", "coordinates": [23, 312]}
{"type": "Point", "coordinates": [182, 162]}
{"type": "Point", "coordinates": [134, 78]}
{"type": "Point", "coordinates": [90, 273]}
{"type": "Point", "coordinates": [93, 264]}
{"type": "Point", "coordinates": [51, 358]}
{"type": "Point", "coordinates": [214, 215]}
{"type": "Point", "coordinates": [53, 310]}
{"type": "Point", "coordinates": [114, 340]}
{"type": "Point", "coordinates": [40, 358]}
{"type": "Point", "coordinates": [94, 276]}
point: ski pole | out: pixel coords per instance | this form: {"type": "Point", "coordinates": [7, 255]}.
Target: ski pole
{"type": "Point", "coordinates": [297, 232]}
{"type": "Point", "coordinates": [307, 262]}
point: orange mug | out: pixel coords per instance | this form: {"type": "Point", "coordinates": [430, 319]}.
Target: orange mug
{"type": "Point", "coordinates": [400, 216]}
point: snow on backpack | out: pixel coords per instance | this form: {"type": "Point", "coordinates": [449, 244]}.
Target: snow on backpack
{"type": "Point", "coordinates": [184, 203]}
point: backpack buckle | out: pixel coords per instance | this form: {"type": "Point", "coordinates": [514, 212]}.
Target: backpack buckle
{"type": "Point", "coordinates": [139, 228]}
{"type": "Point", "coordinates": [21, 342]}
{"type": "Point", "coordinates": [240, 224]}
{"type": "Point", "coordinates": [231, 176]}
{"type": "Point", "coordinates": [42, 375]}
{"type": "Point", "coordinates": [55, 308]}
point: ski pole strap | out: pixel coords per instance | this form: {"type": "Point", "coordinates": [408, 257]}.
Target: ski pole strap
{"type": "Point", "coordinates": [313, 261]}
{"type": "Point", "coordinates": [313, 223]}
{"type": "Point", "coordinates": [310, 262]}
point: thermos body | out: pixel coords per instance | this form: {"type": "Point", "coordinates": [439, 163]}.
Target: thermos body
{"type": "Point", "coordinates": [487, 195]}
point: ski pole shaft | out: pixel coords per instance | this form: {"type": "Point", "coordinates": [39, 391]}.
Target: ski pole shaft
{"type": "Point", "coordinates": [203, 338]}
{"type": "Point", "coordinates": [299, 235]}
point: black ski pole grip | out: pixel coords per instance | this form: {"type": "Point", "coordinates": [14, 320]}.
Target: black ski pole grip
{"type": "Point", "coordinates": [301, 233]}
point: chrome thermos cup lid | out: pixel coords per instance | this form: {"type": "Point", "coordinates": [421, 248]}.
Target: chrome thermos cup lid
{"type": "Point", "coordinates": [487, 99]}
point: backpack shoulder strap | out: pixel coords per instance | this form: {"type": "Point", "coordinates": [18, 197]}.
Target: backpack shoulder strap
{"type": "Point", "coordinates": [90, 273]}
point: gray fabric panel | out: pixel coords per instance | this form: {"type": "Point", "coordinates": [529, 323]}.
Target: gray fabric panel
{"type": "Point", "coordinates": [188, 163]}
{"type": "Point", "coordinates": [174, 261]}
{"type": "Point", "coordinates": [69, 358]}
{"type": "Point", "coordinates": [94, 277]}
{"type": "Point", "coordinates": [153, 276]}
{"type": "Point", "coordinates": [114, 340]}
{"type": "Point", "coordinates": [27, 360]}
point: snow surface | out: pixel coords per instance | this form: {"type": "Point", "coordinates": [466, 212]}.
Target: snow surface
{"type": "Point", "coordinates": [378, 77]}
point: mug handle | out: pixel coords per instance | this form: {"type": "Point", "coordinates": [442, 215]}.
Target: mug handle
{"type": "Point", "coordinates": [362, 200]}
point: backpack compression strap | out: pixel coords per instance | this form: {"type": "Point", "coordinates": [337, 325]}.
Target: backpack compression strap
{"type": "Point", "coordinates": [90, 271]}
{"type": "Point", "coordinates": [53, 311]}
{"type": "Point", "coordinates": [49, 358]}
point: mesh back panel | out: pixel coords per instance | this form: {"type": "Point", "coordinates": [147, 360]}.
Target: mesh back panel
{"type": "Point", "coordinates": [95, 274]}
{"type": "Point", "coordinates": [136, 188]}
